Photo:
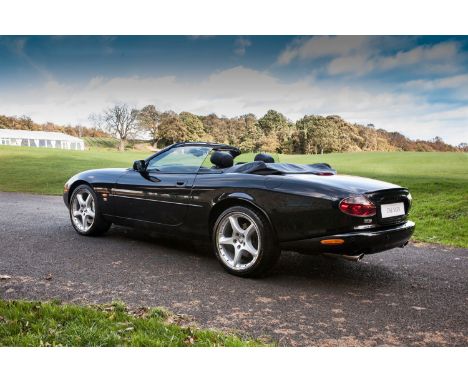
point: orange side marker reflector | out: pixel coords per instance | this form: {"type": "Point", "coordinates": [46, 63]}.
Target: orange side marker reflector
{"type": "Point", "coordinates": [332, 241]}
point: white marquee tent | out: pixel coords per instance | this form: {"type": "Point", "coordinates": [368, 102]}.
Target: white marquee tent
{"type": "Point", "coordinates": [32, 138]}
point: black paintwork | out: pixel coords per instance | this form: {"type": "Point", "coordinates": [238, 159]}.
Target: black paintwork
{"type": "Point", "coordinates": [302, 208]}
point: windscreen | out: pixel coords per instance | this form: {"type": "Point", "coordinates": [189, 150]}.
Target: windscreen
{"type": "Point", "coordinates": [182, 159]}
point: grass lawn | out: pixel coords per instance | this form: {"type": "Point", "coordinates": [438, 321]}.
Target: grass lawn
{"type": "Point", "coordinates": [45, 171]}
{"type": "Point", "coordinates": [437, 181]}
{"type": "Point", "coordinates": [24, 323]}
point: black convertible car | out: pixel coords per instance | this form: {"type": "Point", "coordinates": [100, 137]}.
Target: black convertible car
{"type": "Point", "coordinates": [250, 211]}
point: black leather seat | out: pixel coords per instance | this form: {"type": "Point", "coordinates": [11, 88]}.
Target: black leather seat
{"type": "Point", "coordinates": [222, 159]}
{"type": "Point", "coordinates": [262, 157]}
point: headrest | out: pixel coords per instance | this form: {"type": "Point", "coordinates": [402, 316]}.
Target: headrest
{"type": "Point", "coordinates": [261, 157]}
{"type": "Point", "coordinates": [222, 159]}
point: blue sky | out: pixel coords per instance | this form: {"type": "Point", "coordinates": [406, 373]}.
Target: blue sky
{"type": "Point", "coordinates": [415, 85]}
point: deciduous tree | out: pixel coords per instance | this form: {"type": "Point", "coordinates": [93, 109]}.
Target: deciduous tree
{"type": "Point", "coordinates": [120, 121]}
{"type": "Point", "coordinates": [193, 126]}
{"type": "Point", "coordinates": [149, 119]}
{"type": "Point", "coordinates": [172, 129]}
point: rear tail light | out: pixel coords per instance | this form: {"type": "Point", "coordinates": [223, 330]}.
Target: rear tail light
{"type": "Point", "coordinates": [357, 206]}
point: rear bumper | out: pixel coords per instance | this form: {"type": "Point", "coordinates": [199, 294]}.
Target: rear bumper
{"type": "Point", "coordinates": [355, 243]}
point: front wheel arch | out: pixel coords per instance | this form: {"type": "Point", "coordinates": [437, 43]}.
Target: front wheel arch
{"type": "Point", "coordinates": [74, 186]}
{"type": "Point", "coordinates": [99, 225]}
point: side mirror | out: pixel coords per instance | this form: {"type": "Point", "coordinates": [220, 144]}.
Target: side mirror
{"type": "Point", "coordinates": [139, 165]}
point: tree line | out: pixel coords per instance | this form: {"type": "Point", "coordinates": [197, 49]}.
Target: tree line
{"type": "Point", "coordinates": [26, 123]}
{"type": "Point", "coordinates": [273, 132]}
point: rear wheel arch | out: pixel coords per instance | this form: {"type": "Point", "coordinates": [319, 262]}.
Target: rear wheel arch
{"type": "Point", "coordinates": [226, 203]}
{"type": "Point", "coordinates": [244, 241]}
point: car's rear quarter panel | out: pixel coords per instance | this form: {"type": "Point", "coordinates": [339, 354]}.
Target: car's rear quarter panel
{"type": "Point", "coordinates": [295, 209]}
{"type": "Point", "coordinates": [299, 207]}
{"type": "Point", "coordinates": [210, 189]}
{"type": "Point", "coordinates": [301, 210]}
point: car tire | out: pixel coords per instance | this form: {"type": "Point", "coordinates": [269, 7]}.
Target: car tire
{"type": "Point", "coordinates": [244, 242]}
{"type": "Point", "coordinates": [85, 214]}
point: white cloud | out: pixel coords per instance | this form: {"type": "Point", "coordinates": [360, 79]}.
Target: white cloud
{"type": "Point", "coordinates": [435, 58]}
{"type": "Point", "coordinates": [360, 55]}
{"type": "Point", "coordinates": [457, 85]}
{"type": "Point", "coordinates": [357, 64]}
{"type": "Point", "coordinates": [420, 55]}
{"type": "Point", "coordinates": [451, 82]}
{"type": "Point", "coordinates": [322, 46]}
{"type": "Point", "coordinates": [241, 90]}
{"type": "Point", "coordinates": [241, 45]}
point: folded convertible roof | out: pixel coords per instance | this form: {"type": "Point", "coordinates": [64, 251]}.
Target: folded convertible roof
{"type": "Point", "coordinates": [262, 168]}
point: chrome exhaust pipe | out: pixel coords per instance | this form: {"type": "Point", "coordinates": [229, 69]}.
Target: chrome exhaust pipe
{"type": "Point", "coordinates": [354, 258]}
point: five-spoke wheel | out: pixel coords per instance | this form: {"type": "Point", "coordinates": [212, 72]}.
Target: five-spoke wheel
{"type": "Point", "coordinates": [244, 242]}
{"type": "Point", "coordinates": [84, 212]}
{"type": "Point", "coordinates": [238, 240]}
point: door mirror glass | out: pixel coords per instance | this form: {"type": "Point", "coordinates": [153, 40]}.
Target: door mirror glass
{"type": "Point", "coordinates": [139, 165]}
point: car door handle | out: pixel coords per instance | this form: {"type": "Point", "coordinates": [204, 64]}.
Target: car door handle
{"type": "Point", "coordinates": [180, 183]}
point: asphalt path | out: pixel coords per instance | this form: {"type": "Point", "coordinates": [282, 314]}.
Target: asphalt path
{"type": "Point", "coordinates": [416, 296]}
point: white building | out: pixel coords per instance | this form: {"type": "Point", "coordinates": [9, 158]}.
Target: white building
{"type": "Point", "coordinates": [32, 138]}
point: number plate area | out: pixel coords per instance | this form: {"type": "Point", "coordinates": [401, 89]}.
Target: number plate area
{"type": "Point", "coordinates": [393, 209]}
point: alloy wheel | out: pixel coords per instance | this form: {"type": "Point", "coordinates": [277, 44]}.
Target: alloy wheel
{"type": "Point", "coordinates": [83, 210]}
{"type": "Point", "coordinates": [238, 240]}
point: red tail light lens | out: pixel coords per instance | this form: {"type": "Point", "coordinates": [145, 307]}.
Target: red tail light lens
{"type": "Point", "coordinates": [357, 206]}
